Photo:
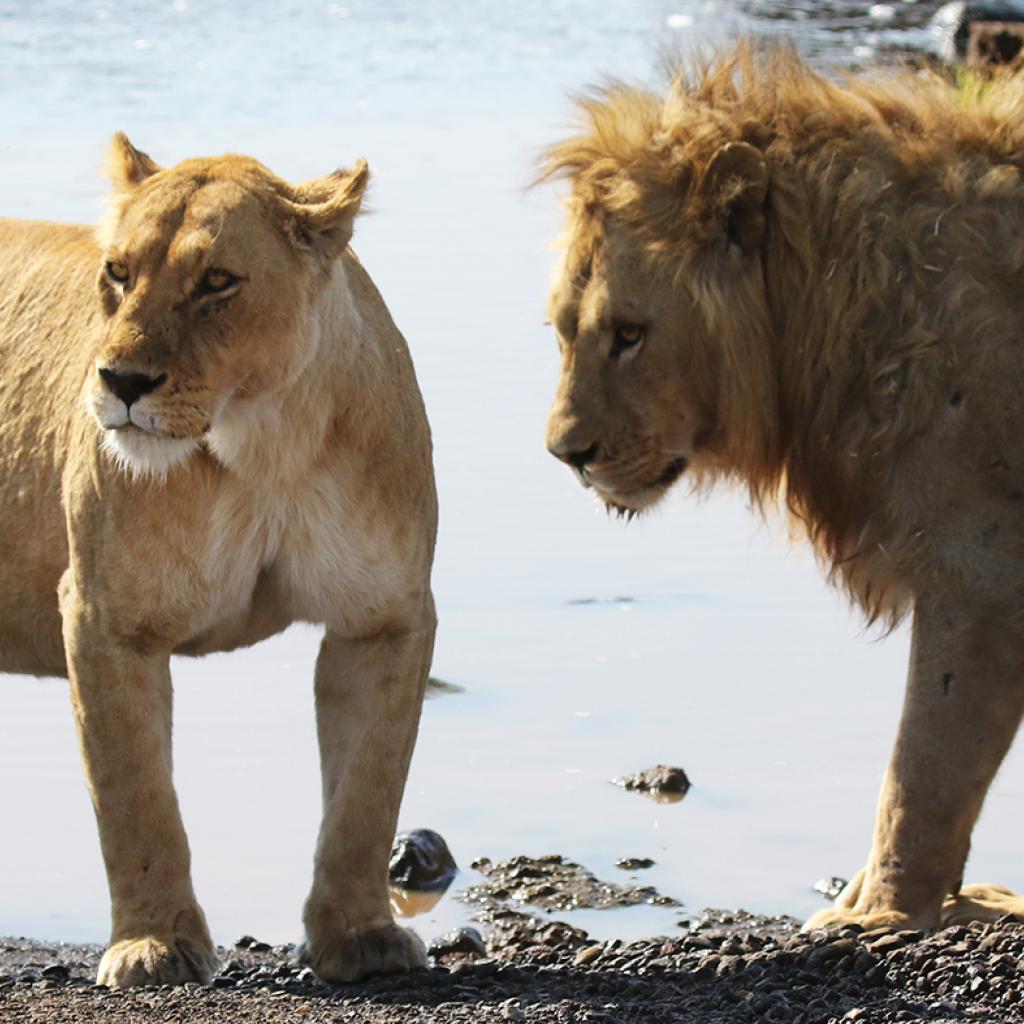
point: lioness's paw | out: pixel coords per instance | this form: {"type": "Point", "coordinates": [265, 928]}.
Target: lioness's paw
{"type": "Point", "coordinates": [152, 961]}
{"type": "Point", "coordinates": [981, 903]}
{"type": "Point", "coordinates": [386, 949]}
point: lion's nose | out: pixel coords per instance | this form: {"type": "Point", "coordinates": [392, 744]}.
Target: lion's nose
{"type": "Point", "coordinates": [577, 458]}
{"type": "Point", "coordinates": [130, 387]}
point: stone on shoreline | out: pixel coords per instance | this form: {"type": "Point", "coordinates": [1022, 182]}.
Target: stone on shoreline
{"type": "Point", "coordinates": [421, 860]}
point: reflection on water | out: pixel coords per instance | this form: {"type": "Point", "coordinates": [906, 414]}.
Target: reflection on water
{"type": "Point", "coordinates": [585, 649]}
{"type": "Point", "coordinates": [406, 903]}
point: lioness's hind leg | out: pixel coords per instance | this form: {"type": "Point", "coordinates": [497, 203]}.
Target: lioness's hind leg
{"type": "Point", "coordinates": [368, 697]}
{"type": "Point", "coordinates": [981, 903]}
{"type": "Point", "coordinates": [962, 708]}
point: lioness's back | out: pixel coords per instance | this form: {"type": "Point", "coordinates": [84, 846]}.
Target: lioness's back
{"type": "Point", "coordinates": [47, 274]}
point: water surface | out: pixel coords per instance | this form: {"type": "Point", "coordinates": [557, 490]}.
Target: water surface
{"type": "Point", "coordinates": [730, 657]}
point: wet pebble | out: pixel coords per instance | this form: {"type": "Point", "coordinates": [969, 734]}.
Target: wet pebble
{"type": "Point", "coordinates": [830, 887]}
{"type": "Point", "coordinates": [465, 940]}
{"type": "Point", "coordinates": [634, 863]}
{"type": "Point", "coordinates": [659, 779]}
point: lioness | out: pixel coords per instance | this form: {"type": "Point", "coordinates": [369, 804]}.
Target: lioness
{"type": "Point", "coordinates": [817, 288]}
{"type": "Point", "coordinates": [209, 429]}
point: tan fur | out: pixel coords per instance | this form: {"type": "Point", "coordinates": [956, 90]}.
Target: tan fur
{"type": "Point", "coordinates": [828, 278]}
{"type": "Point", "coordinates": [280, 472]}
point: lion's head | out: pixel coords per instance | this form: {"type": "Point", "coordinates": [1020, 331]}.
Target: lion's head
{"type": "Point", "coordinates": [659, 304]}
{"type": "Point", "coordinates": [209, 280]}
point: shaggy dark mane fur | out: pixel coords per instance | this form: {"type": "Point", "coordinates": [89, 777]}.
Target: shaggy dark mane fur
{"type": "Point", "coordinates": [894, 204]}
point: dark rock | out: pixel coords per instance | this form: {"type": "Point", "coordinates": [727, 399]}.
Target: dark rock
{"type": "Point", "coordinates": [421, 860]}
{"type": "Point", "coordinates": [951, 26]}
{"type": "Point", "coordinates": [462, 940]}
{"type": "Point", "coordinates": [634, 863]}
{"type": "Point", "coordinates": [659, 779]}
{"type": "Point", "coordinates": [56, 972]}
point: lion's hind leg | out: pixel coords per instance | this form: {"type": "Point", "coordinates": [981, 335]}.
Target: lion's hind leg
{"type": "Point", "coordinates": [962, 708]}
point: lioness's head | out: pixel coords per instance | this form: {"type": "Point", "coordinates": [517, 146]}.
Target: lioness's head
{"type": "Point", "coordinates": [658, 304]}
{"type": "Point", "coordinates": [208, 281]}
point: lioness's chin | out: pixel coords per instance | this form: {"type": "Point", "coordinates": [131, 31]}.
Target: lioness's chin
{"type": "Point", "coordinates": [142, 454]}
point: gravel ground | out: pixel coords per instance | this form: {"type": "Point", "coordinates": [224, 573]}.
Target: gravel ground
{"type": "Point", "coordinates": [728, 967]}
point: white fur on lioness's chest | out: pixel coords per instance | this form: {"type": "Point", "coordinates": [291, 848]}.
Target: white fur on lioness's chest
{"type": "Point", "coordinates": [330, 561]}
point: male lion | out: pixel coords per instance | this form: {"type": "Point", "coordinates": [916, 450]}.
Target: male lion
{"type": "Point", "coordinates": [209, 429]}
{"type": "Point", "coordinates": [817, 288]}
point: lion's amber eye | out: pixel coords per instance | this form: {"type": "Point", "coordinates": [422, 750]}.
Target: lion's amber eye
{"type": "Point", "coordinates": [217, 280]}
{"type": "Point", "coordinates": [117, 271]}
{"type": "Point", "coordinates": [627, 336]}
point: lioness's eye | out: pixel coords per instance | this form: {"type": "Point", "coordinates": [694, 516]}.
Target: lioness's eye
{"type": "Point", "coordinates": [117, 271]}
{"type": "Point", "coordinates": [627, 336]}
{"type": "Point", "coordinates": [217, 280]}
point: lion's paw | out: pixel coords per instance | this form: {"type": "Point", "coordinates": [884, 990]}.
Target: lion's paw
{"type": "Point", "coordinates": [981, 903]}
{"type": "Point", "coordinates": [153, 961]}
{"type": "Point", "coordinates": [870, 921]}
{"type": "Point", "coordinates": [386, 949]}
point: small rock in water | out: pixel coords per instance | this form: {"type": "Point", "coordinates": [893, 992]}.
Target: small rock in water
{"type": "Point", "coordinates": [634, 863]}
{"type": "Point", "coordinates": [421, 860]}
{"type": "Point", "coordinates": [830, 888]}
{"type": "Point", "coordinates": [461, 940]}
{"type": "Point", "coordinates": [659, 779]}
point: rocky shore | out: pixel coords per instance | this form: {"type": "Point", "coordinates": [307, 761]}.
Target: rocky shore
{"type": "Point", "coordinates": [726, 967]}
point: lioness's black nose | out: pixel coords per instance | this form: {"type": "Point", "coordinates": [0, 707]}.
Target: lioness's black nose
{"type": "Point", "coordinates": [576, 459]}
{"type": "Point", "coordinates": [130, 387]}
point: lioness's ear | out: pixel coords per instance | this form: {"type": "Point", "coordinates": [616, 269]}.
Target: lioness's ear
{"type": "Point", "coordinates": [322, 218]}
{"type": "Point", "coordinates": [126, 165]}
{"type": "Point", "coordinates": [735, 186]}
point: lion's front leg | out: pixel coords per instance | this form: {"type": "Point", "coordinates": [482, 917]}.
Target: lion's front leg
{"type": "Point", "coordinates": [963, 704]}
{"type": "Point", "coordinates": [368, 697]}
{"type": "Point", "coordinates": [122, 705]}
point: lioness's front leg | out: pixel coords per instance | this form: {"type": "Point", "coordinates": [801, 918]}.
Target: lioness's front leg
{"type": "Point", "coordinates": [368, 697]}
{"type": "Point", "coordinates": [122, 704]}
{"type": "Point", "coordinates": [963, 704]}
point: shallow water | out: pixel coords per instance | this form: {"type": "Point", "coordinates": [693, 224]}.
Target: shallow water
{"type": "Point", "coordinates": [730, 659]}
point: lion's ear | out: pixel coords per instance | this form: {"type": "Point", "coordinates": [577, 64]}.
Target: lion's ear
{"type": "Point", "coordinates": [326, 209]}
{"type": "Point", "coordinates": [735, 186]}
{"type": "Point", "coordinates": [126, 165]}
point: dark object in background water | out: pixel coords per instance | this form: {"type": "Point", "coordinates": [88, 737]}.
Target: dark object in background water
{"type": "Point", "coordinates": [995, 43]}
{"type": "Point", "coordinates": [421, 860]}
{"type": "Point", "coordinates": [830, 888]}
{"type": "Point", "coordinates": [634, 863]}
{"type": "Point", "coordinates": [462, 940]}
{"type": "Point", "coordinates": [659, 779]}
{"type": "Point", "coordinates": [952, 25]}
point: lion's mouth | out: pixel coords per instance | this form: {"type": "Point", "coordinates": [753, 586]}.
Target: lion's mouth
{"type": "Point", "coordinates": [628, 504]}
{"type": "Point", "coordinates": [671, 473]}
